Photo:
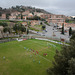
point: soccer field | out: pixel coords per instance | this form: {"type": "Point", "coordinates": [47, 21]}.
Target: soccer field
{"type": "Point", "coordinates": [29, 57]}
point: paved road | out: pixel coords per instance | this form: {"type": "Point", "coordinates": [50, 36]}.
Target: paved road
{"type": "Point", "coordinates": [56, 32]}
{"type": "Point", "coordinates": [50, 31]}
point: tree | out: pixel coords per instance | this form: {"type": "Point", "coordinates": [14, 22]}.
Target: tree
{"type": "Point", "coordinates": [43, 27]}
{"type": "Point", "coordinates": [71, 70]}
{"type": "Point", "coordinates": [27, 31]}
{"type": "Point", "coordinates": [64, 63]}
{"type": "Point", "coordinates": [73, 32]}
{"type": "Point", "coordinates": [1, 30]}
{"type": "Point", "coordinates": [70, 31]}
{"type": "Point", "coordinates": [21, 16]}
{"type": "Point", "coordinates": [62, 28]}
{"type": "Point", "coordinates": [13, 7]}
{"type": "Point", "coordinates": [41, 23]}
{"type": "Point", "coordinates": [34, 18]}
{"type": "Point", "coordinates": [29, 24]}
{"type": "Point", "coordinates": [73, 37]}
{"type": "Point", "coordinates": [7, 29]}
{"type": "Point", "coordinates": [42, 19]}
{"type": "Point", "coordinates": [17, 6]}
{"type": "Point", "coordinates": [0, 14]}
{"type": "Point", "coordinates": [0, 8]}
{"type": "Point", "coordinates": [4, 24]}
{"type": "Point", "coordinates": [67, 20]}
{"type": "Point", "coordinates": [7, 15]}
{"type": "Point", "coordinates": [18, 27]}
{"type": "Point", "coordinates": [23, 29]}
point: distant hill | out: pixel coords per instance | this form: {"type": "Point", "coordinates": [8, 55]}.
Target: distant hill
{"type": "Point", "coordinates": [21, 8]}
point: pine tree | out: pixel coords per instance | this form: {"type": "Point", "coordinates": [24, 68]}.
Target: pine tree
{"type": "Point", "coordinates": [64, 63]}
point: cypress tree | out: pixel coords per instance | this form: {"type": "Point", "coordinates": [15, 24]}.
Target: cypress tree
{"type": "Point", "coordinates": [63, 28]}
{"type": "Point", "coordinates": [70, 31]}
{"type": "Point", "coordinates": [27, 31]}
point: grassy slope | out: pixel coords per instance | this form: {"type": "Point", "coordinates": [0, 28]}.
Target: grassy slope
{"type": "Point", "coordinates": [36, 27]}
{"type": "Point", "coordinates": [18, 60]}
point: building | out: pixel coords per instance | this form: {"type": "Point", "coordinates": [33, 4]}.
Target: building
{"type": "Point", "coordinates": [12, 17]}
{"type": "Point", "coordinates": [26, 12]}
{"type": "Point", "coordinates": [16, 13]}
{"type": "Point", "coordinates": [24, 17]}
{"type": "Point", "coordinates": [38, 14]}
{"type": "Point", "coordinates": [24, 23]}
{"type": "Point", "coordinates": [56, 19]}
{"type": "Point", "coordinates": [30, 15]}
{"type": "Point", "coordinates": [68, 25]}
{"type": "Point", "coordinates": [3, 16]}
{"type": "Point", "coordinates": [35, 22]}
{"type": "Point", "coordinates": [45, 16]}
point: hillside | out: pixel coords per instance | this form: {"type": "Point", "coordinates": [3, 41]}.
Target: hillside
{"type": "Point", "coordinates": [21, 8]}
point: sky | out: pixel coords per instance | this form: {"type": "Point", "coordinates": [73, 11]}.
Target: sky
{"type": "Point", "coordinates": [65, 7]}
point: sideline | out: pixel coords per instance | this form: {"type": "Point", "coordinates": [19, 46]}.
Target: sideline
{"type": "Point", "coordinates": [52, 41]}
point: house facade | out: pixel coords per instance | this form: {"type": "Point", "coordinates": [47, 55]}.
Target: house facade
{"type": "Point", "coordinates": [30, 15]}
{"type": "Point", "coordinates": [12, 17]}
{"type": "Point", "coordinates": [38, 14]}
{"type": "Point", "coordinates": [68, 25]}
{"type": "Point", "coordinates": [35, 22]}
{"type": "Point", "coordinates": [3, 16]}
{"type": "Point", "coordinates": [24, 23]}
{"type": "Point", "coordinates": [56, 19]}
{"type": "Point", "coordinates": [15, 15]}
{"type": "Point", "coordinates": [26, 12]}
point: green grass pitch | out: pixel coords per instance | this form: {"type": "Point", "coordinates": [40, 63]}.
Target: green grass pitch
{"type": "Point", "coordinates": [16, 60]}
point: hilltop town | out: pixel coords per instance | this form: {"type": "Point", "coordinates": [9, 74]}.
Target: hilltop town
{"type": "Point", "coordinates": [26, 13]}
{"type": "Point", "coordinates": [33, 18]}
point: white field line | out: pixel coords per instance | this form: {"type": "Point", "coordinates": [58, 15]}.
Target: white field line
{"type": "Point", "coordinates": [43, 45]}
{"type": "Point", "coordinates": [39, 55]}
{"type": "Point", "coordinates": [44, 58]}
{"type": "Point", "coordinates": [40, 50]}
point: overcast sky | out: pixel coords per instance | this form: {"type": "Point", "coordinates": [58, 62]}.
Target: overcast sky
{"type": "Point", "coordinates": [66, 7]}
